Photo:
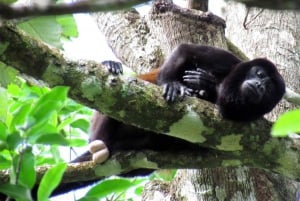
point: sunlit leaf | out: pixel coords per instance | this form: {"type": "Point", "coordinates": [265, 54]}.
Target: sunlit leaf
{"type": "Point", "coordinates": [108, 187]}
{"type": "Point", "coordinates": [50, 102]}
{"type": "Point", "coordinates": [52, 139]}
{"type": "Point", "coordinates": [44, 28]}
{"type": "Point", "coordinates": [5, 163]}
{"type": "Point", "coordinates": [68, 25]}
{"type": "Point", "coordinates": [14, 89]}
{"type": "Point", "coordinates": [82, 124]}
{"type": "Point", "coordinates": [50, 181]}
{"type": "Point", "coordinates": [8, 74]}
{"type": "Point", "coordinates": [20, 116]}
{"type": "Point", "coordinates": [3, 131]}
{"type": "Point", "coordinates": [77, 142]}
{"type": "Point", "coordinates": [24, 163]}
{"type": "Point", "coordinates": [39, 129]}
{"type": "Point", "coordinates": [287, 123]}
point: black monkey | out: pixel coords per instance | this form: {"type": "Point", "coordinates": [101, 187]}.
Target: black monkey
{"type": "Point", "coordinates": [243, 90]}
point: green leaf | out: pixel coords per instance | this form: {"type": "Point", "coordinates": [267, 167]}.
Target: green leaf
{"type": "Point", "coordinates": [77, 142]}
{"type": "Point", "coordinates": [8, 74]}
{"type": "Point", "coordinates": [50, 102]}
{"type": "Point", "coordinates": [20, 116]}
{"type": "Point", "coordinates": [287, 123]}
{"type": "Point", "coordinates": [5, 163]}
{"type": "Point", "coordinates": [3, 146]}
{"type": "Point", "coordinates": [39, 129]}
{"type": "Point", "coordinates": [13, 140]}
{"type": "Point", "coordinates": [50, 181]}
{"type": "Point", "coordinates": [17, 192]}
{"type": "Point", "coordinates": [3, 131]}
{"type": "Point", "coordinates": [68, 25]}
{"type": "Point", "coordinates": [52, 139]}
{"type": "Point", "coordinates": [25, 165]}
{"type": "Point", "coordinates": [108, 187]}
{"type": "Point", "coordinates": [14, 90]}
{"type": "Point", "coordinates": [44, 28]}
{"type": "Point", "coordinates": [66, 122]}
{"type": "Point", "coordinates": [82, 124]}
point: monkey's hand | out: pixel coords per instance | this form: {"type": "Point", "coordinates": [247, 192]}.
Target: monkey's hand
{"type": "Point", "coordinates": [199, 78]}
{"type": "Point", "coordinates": [200, 81]}
{"type": "Point", "coordinates": [99, 150]}
{"type": "Point", "coordinates": [172, 90]}
{"type": "Point", "coordinates": [113, 67]}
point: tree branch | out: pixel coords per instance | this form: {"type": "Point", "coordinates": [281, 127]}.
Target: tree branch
{"type": "Point", "coordinates": [9, 12]}
{"type": "Point", "coordinates": [292, 96]}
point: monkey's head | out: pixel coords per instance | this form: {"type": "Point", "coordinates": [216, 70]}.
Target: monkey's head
{"type": "Point", "coordinates": [252, 89]}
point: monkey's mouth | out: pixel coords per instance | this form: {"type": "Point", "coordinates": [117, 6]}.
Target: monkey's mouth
{"type": "Point", "coordinates": [251, 90]}
{"type": "Point", "coordinates": [250, 93]}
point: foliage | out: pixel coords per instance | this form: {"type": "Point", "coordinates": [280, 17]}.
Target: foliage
{"type": "Point", "coordinates": [34, 123]}
{"type": "Point", "coordinates": [7, 75]}
{"type": "Point", "coordinates": [50, 181]}
{"type": "Point", "coordinates": [288, 123]}
{"type": "Point", "coordinates": [116, 188]}
{"type": "Point", "coordinates": [51, 29]}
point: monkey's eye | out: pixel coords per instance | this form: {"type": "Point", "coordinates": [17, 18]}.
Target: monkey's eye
{"type": "Point", "coordinates": [261, 74]}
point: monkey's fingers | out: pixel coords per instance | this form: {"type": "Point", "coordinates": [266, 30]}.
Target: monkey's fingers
{"type": "Point", "coordinates": [171, 90]}
{"type": "Point", "coordinates": [113, 67]}
{"type": "Point", "coordinates": [99, 150]}
{"type": "Point", "coordinates": [188, 91]}
{"type": "Point", "coordinates": [198, 71]}
{"type": "Point", "coordinates": [171, 93]}
{"type": "Point", "coordinates": [198, 77]}
{"type": "Point", "coordinates": [182, 92]}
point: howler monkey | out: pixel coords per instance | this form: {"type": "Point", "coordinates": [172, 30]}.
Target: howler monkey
{"type": "Point", "coordinates": [243, 90]}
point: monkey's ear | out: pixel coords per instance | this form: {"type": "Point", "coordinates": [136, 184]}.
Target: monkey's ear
{"type": "Point", "coordinates": [99, 150]}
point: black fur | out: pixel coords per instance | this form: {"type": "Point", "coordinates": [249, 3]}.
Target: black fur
{"type": "Point", "coordinates": [217, 75]}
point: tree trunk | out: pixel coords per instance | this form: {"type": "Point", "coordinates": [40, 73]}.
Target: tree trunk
{"type": "Point", "coordinates": [275, 35]}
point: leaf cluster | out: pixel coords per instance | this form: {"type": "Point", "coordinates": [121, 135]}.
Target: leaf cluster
{"type": "Point", "coordinates": [37, 122]}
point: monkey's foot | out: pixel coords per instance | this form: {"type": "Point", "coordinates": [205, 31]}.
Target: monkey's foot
{"type": "Point", "coordinates": [99, 150]}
